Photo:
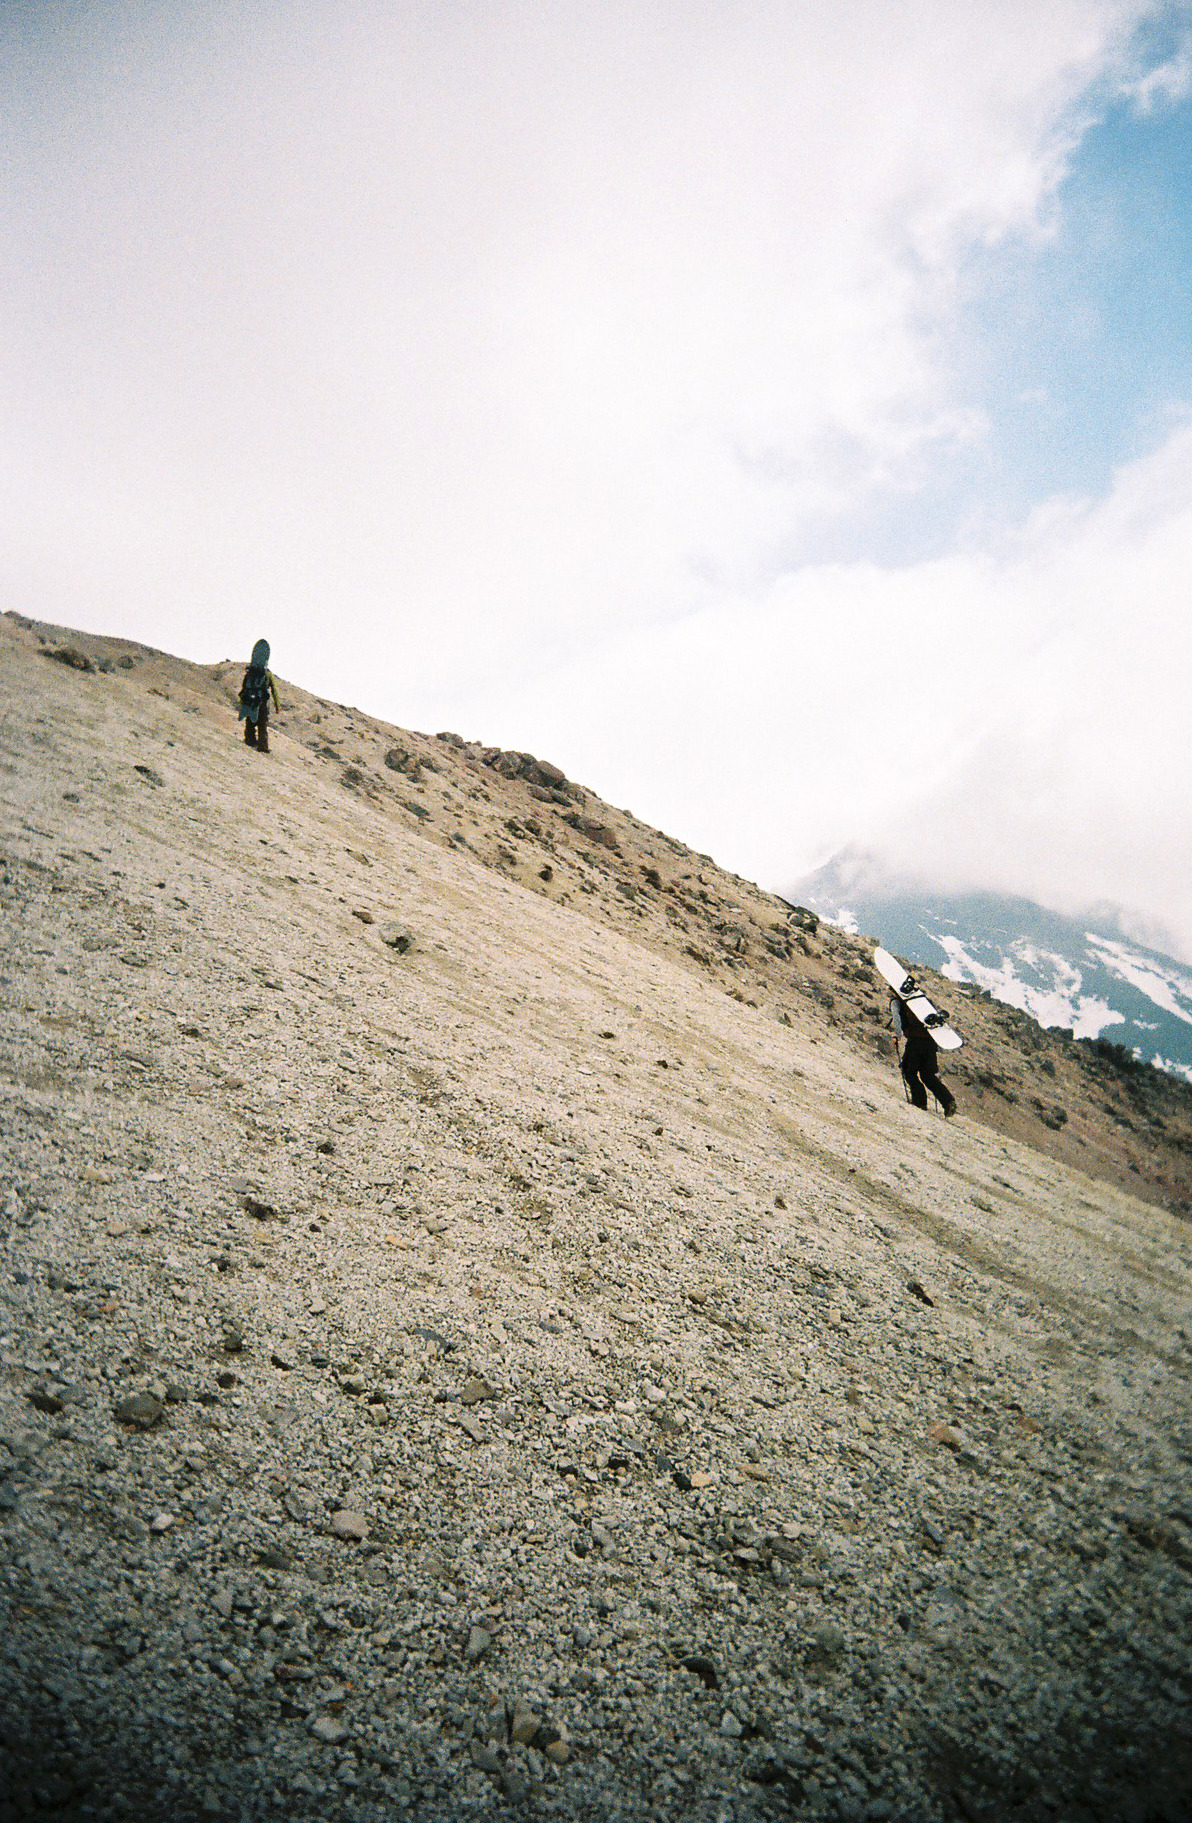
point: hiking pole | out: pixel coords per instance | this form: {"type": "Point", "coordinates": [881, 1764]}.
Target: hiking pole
{"type": "Point", "coordinates": [906, 1088]}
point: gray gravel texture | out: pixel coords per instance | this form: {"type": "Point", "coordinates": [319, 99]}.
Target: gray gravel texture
{"type": "Point", "coordinates": [505, 1375]}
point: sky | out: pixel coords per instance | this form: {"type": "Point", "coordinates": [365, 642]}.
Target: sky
{"type": "Point", "coordinates": [777, 415]}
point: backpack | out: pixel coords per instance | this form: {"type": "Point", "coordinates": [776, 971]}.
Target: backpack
{"type": "Point", "coordinates": [252, 692]}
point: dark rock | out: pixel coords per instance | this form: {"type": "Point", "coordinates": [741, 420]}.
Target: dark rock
{"type": "Point", "coordinates": [516, 1784]}
{"type": "Point", "coordinates": [150, 775]}
{"type": "Point", "coordinates": [399, 759]}
{"type": "Point", "coordinates": [703, 1668]}
{"type": "Point", "coordinates": [600, 833]}
{"type": "Point", "coordinates": [70, 655]}
{"type": "Point", "coordinates": [475, 1389]}
{"type": "Point", "coordinates": [140, 1411]}
{"type": "Point", "coordinates": [43, 1401]}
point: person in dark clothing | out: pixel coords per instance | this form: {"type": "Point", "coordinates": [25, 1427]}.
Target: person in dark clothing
{"type": "Point", "coordinates": [255, 691]}
{"type": "Point", "coordinates": [919, 1059]}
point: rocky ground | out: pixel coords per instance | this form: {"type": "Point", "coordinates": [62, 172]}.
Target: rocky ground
{"type": "Point", "coordinates": [460, 1357]}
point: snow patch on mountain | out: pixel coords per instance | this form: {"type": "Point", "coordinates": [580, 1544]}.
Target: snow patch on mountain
{"type": "Point", "coordinates": [1162, 985]}
{"type": "Point", "coordinates": [1059, 1004]}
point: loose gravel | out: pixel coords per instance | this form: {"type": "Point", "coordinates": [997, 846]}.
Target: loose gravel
{"type": "Point", "coordinates": [499, 1374]}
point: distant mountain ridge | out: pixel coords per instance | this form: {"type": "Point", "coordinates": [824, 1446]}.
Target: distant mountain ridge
{"type": "Point", "coordinates": [1086, 975]}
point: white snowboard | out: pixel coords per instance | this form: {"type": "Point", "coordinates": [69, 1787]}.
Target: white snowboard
{"type": "Point", "coordinates": [907, 988]}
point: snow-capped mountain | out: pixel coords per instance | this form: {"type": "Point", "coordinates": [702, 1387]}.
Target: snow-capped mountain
{"type": "Point", "coordinates": [1087, 975]}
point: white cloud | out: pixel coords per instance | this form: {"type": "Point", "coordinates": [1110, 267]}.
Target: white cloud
{"type": "Point", "coordinates": [485, 329]}
{"type": "Point", "coordinates": [1017, 722]}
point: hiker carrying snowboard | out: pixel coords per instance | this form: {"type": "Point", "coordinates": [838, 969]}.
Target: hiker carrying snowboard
{"type": "Point", "coordinates": [255, 691]}
{"type": "Point", "coordinates": [919, 1059]}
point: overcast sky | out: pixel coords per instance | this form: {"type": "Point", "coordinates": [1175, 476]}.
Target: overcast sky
{"type": "Point", "coordinates": [777, 414]}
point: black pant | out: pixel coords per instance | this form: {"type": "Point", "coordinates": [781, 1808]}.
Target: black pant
{"type": "Point", "coordinates": [256, 734]}
{"type": "Point", "coordinates": [920, 1070]}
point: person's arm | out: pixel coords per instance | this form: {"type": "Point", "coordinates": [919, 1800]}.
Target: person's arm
{"type": "Point", "coordinates": [273, 688]}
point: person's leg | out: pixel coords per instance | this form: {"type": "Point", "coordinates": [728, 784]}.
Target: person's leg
{"type": "Point", "coordinates": [263, 727]}
{"type": "Point", "coordinates": [911, 1074]}
{"type": "Point", "coordinates": [250, 732]}
{"type": "Point", "coordinates": [940, 1090]}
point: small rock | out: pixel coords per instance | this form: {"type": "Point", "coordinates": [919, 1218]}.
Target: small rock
{"type": "Point", "coordinates": [365, 917]}
{"type": "Point", "coordinates": [233, 1339]}
{"type": "Point", "coordinates": [945, 1434]}
{"type": "Point", "coordinates": [161, 1522]}
{"type": "Point", "coordinates": [486, 1758]}
{"type": "Point", "coordinates": [558, 1751]}
{"type": "Point", "coordinates": [475, 1389]}
{"type": "Point", "coordinates": [826, 1645]}
{"type": "Point", "coordinates": [961, 1445]}
{"type": "Point", "coordinates": [479, 1641]}
{"type": "Point", "coordinates": [328, 1728]}
{"type": "Point", "coordinates": [349, 1524]}
{"type": "Point", "coordinates": [730, 1726]}
{"type": "Point", "coordinates": [395, 937]}
{"type": "Point", "coordinates": [524, 1726]}
{"type": "Point", "coordinates": [140, 1411]}
{"type": "Point", "coordinates": [516, 1784]}
{"type": "Point", "coordinates": [223, 1602]}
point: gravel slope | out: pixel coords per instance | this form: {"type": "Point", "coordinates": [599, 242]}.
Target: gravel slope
{"type": "Point", "coordinates": [456, 1361]}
